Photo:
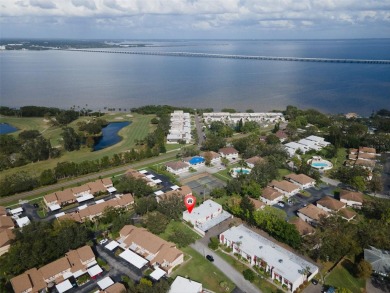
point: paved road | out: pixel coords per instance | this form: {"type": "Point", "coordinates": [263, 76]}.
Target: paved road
{"type": "Point", "coordinates": [167, 156]}
{"type": "Point", "coordinates": [227, 269]}
{"type": "Point", "coordinates": [199, 130]}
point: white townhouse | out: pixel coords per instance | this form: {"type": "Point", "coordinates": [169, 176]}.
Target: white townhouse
{"type": "Point", "coordinates": [180, 127]}
{"type": "Point", "coordinates": [285, 266]}
{"type": "Point", "coordinates": [228, 153]}
{"type": "Point", "coordinates": [285, 187]}
{"type": "Point", "coordinates": [206, 216]}
{"type": "Point", "coordinates": [311, 214]}
{"type": "Point", "coordinates": [177, 167]}
{"type": "Point", "coordinates": [351, 198]}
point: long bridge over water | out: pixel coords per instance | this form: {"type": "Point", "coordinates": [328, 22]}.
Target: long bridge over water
{"type": "Point", "coordinates": [247, 57]}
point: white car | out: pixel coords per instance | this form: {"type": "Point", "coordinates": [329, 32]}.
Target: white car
{"type": "Point", "coordinates": [103, 241]}
{"type": "Point", "coordinates": [281, 204]}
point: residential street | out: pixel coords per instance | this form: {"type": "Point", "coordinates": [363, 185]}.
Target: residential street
{"type": "Point", "coordinates": [58, 186]}
{"type": "Point", "coordinates": [199, 130]}
{"type": "Point", "coordinates": [227, 269]}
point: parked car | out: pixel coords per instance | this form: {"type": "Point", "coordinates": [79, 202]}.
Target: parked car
{"type": "Point", "coordinates": [314, 281]}
{"type": "Point", "coordinates": [210, 258]}
{"type": "Point", "coordinates": [103, 241]}
{"type": "Point", "coordinates": [36, 205]}
{"type": "Point", "coordinates": [281, 204]}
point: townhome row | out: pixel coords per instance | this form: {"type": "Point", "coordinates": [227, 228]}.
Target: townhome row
{"type": "Point", "coordinates": [180, 127]}
{"type": "Point", "coordinates": [233, 118]}
{"type": "Point", "coordinates": [6, 233]}
{"type": "Point", "coordinates": [144, 248]}
{"type": "Point", "coordinates": [311, 142]}
{"type": "Point", "coordinates": [91, 212]}
{"type": "Point", "coordinates": [75, 263]}
{"type": "Point", "coordinates": [56, 200]}
{"type": "Point", "coordinates": [363, 156]}
{"type": "Point", "coordinates": [283, 265]}
{"type": "Point", "coordinates": [277, 190]}
{"type": "Point", "coordinates": [328, 205]}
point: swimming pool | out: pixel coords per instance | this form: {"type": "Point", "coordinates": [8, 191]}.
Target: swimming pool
{"type": "Point", "coordinates": [239, 171]}
{"type": "Point", "coordinates": [196, 160]}
{"type": "Point", "coordinates": [319, 163]}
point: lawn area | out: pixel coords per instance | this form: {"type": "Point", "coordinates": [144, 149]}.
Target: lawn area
{"type": "Point", "coordinates": [201, 270]}
{"type": "Point", "coordinates": [340, 158]}
{"type": "Point", "coordinates": [225, 172]}
{"type": "Point", "coordinates": [173, 146]}
{"type": "Point", "coordinates": [341, 277]}
{"type": "Point", "coordinates": [177, 225]}
{"type": "Point", "coordinates": [263, 285]}
{"type": "Point", "coordinates": [283, 172]}
{"type": "Point", "coordinates": [140, 126]}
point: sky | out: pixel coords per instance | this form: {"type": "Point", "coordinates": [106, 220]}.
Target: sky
{"type": "Point", "coordinates": [195, 19]}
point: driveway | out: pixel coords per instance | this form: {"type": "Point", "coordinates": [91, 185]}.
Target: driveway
{"type": "Point", "coordinates": [226, 268]}
{"type": "Point", "coordinates": [377, 285]}
{"type": "Point", "coordinates": [300, 201]}
{"type": "Point", "coordinates": [118, 265]}
{"type": "Point", "coordinates": [199, 130]}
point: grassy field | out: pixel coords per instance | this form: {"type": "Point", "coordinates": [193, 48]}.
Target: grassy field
{"type": "Point", "coordinates": [341, 277]}
{"type": "Point", "coordinates": [140, 126]}
{"type": "Point", "coordinates": [174, 224]}
{"type": "Point", "coordinates": [201, 270]}
{"type": "Point", "coordinates": [263, 285]}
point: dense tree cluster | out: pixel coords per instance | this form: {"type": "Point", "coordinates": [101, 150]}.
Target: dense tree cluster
{"type": "Point", "coordinates": [166, 109]}
{"type": "Point", "coordinates": [269, 220]}
{"type": "Point", "coordinates": [92, 127]}
{"type": "Point", "coordinates": [40, 243]}
{"type": "Point", "coordinates": [335, 237]}
{"type": "Point", "coordinates": [22, 181]}
{"type": "Point", "coordinates": [29, 111]}
{"type": "Point", "coordinates": [146, 286]}
{"type": "Point", "coordinates": [136, 186]}
{"type": "Point", "coordinates": [29, 146]}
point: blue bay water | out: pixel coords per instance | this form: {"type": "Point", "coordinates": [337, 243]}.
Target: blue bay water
{"type": "Point", "coordinates": [64, 78]}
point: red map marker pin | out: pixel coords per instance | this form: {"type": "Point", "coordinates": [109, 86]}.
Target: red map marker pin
{"type": "Point", "coordinates": [190, 202]}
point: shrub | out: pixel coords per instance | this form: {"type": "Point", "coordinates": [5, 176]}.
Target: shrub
{"type": "Point", "coordinates": [249, 275]}
{"type": "Point", "coordinates": [213, 244]}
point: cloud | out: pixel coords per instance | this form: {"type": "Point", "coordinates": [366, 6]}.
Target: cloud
{"type": "Point", "coordinates": [90, 4]}
{"type": "Point", "coordinates": [207, 15]}
{"type": "Point", "coordinates": [44, 4]}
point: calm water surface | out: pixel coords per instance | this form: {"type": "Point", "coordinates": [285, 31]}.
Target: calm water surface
{"type": "Point", "coordinates": [110, 135]}
{"type": "Point", "coordinates": [6, 128]}
{"type": "Point", "coordinates": [64, 79]}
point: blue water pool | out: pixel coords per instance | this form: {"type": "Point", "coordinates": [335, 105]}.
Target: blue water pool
{"type": "Point", "coordinates": [242, 171]}
{"type": "Point", "coordinates": [196, 160]}
{"type": "Point", "coordinates": [319, 164]}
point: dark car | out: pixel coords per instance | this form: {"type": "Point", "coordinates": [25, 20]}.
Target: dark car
{"type": "Point", "coordinates": [314, 281]}
{"type": "Point", "coordinates": [209, 257]}
{"type": "Point", "coordinates": [36, 205]}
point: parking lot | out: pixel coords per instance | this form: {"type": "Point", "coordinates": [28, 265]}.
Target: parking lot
{"type": "Point", "coordinates": [299, 201]}
{"type": "Point", "coordinates": [203, 184]}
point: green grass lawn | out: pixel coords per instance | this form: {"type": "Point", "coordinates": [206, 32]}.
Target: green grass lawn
{"type": "Point", "coordinates": [338, 161]}
{"type": "Point", "coordinates": [140, 126]}
{"type": "Point", "coordinates": [199, 269]}
{"type": "Point", "coordinates": [263, 285]}
{"type": "Point", "coordinates": [341, 277]}
{"type": "Point", "coordinates": [177, 225]}
{"type": "Point", "coordinates": [283, 172]}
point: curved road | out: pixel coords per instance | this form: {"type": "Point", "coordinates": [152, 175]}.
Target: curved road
{"type": "Point", "coordinates": [19, 196]}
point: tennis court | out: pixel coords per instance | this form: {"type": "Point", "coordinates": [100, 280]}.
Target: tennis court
{"type": "Point", "coordinates": [203, 183]}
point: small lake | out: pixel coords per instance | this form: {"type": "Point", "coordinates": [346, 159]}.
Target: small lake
{"type": "Point", "coordinates": [110, 135]}
{"type": "Point", "coordinates": [6, 128]}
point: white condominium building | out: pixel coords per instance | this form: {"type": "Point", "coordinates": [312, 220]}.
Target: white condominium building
{"type": "Point", "coordinates": [232, 118]}
{"type": "Point", "coordinates": [180, 127]}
